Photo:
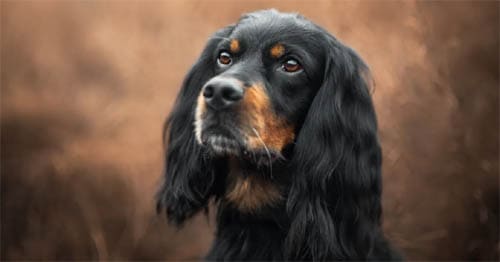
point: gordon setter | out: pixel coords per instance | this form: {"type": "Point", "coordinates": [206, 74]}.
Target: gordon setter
{"type": "Point", "coordinates": [275, 123]}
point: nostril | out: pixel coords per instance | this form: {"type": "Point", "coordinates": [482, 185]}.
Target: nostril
{"type": "Point", "coordinates": [231, 94]}
{"type": "Point", "coordinates": [208, 92]}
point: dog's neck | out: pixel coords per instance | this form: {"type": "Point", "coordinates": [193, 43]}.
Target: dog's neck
{"type": "Point", "coordinates": [250, 189]}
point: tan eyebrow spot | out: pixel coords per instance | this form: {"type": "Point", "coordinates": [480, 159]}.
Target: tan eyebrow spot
{"type": "Point", "coordinates": [234, 46]}
{"type": "Point", "coordinates": [277, 50]}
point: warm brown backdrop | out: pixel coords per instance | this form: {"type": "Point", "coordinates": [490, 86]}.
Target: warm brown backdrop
{"type": "Point", "coordinates": [85, 87]}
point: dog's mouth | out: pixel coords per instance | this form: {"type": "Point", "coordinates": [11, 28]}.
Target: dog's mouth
{"type": "Point", "coordinates": [229, 146]}
{"type": "Point", "coordinates": [223, 136]}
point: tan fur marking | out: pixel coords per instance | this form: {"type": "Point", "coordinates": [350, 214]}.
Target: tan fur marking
{"type": "Point", "coordinates": [274, 131]}
{"type": "Point", "coordinates": [277, 50]}
{"type": "Point", "coordinates": [251, 192]}
{"type": "Point", "coordinates": [234, 46]}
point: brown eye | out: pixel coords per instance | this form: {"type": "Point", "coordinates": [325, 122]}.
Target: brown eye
{"type": "Point", "coordinates": [224, 58]}
{"type": "Point", "coordinates": [291, 66]}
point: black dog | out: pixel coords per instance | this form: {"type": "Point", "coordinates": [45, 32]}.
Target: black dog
{"type": "Point", "coordinates": [276, 124]}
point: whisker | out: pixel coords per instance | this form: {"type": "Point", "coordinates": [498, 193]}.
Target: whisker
{"type": "Point", "coordinates": [267, 151]}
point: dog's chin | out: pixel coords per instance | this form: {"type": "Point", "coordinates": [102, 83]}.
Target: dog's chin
{"type": "Point", "coordinates": [222, 146]}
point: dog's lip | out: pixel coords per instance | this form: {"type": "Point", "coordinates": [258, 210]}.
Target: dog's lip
{"type": "Point", "coordinates": [227, 144]}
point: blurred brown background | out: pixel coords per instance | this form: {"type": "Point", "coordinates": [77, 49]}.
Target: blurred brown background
{"type": "Point", "coordinates": [86, 85]}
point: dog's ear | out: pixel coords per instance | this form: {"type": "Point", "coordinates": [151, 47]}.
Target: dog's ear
{"type": "Point", "coordinates": [334, 201]}
{"type": "Point", "coordinates": [189, 174]}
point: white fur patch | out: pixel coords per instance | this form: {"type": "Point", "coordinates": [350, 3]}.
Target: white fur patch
{"type": "Point", "coordinates": [198, 121]}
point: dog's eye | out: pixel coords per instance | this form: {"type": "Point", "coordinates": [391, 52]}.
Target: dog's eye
{"type": "Point", "coordinates": [291, 65]}
{"type": "Point", "coordinates": [224, 58]}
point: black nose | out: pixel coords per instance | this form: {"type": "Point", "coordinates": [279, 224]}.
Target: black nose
{"type": "Point", "coordinates": [220, 93]}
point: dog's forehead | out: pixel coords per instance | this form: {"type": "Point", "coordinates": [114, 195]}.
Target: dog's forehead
{"type": "Point", "coordinates": [264, 27]}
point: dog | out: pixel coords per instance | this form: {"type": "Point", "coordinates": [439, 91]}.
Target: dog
{"type": "Point", "coordinates": [276, 125]}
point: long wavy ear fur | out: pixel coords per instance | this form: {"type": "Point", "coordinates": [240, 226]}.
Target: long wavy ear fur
{"type": "Point", "coordinates": [334, 201]}
{"type": "Point", "coordinates": [190, 175]}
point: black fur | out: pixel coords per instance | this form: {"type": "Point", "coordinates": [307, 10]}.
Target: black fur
{"type": "Point", "coordinates": [330, 176]}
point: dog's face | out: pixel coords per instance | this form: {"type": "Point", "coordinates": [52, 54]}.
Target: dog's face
{"type": "Point", "coordinates": [266, 74]}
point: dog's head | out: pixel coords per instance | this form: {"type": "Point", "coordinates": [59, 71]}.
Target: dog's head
{"type": "Point", "coordinates": [276, 87]}
{"type": "Point", "coordinates": [265, 73]}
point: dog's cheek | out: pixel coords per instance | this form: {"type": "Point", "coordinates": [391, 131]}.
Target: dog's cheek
{"type": "Point", "coordinates": [265, 126]}
{"type": "Point", "coordinates": [198, 117]}
{"type": "Point", "coordinates": [278, 133]}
